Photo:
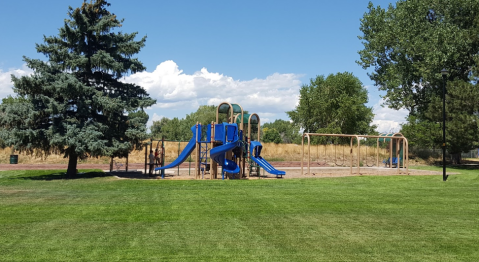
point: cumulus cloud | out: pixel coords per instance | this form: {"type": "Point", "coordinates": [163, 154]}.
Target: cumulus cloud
{"type": "Point", "coordinates": [269, 97]}
{"type": "Point", "coordinates": [388, 120]}
{"type": "Point", "coordinates": [178, 92]}
{"type": "Point", "coordinates": [174, 89]}
{"type": "Point", "coordinates": [6, 84]}
{"type": "Point", "coordinates": [155, 117]}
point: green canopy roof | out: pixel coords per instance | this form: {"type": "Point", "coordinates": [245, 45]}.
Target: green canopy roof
{"type": "Point", "coordinates": [224, 108]}
{"type": "Point", "coordinates": [391, 135]}
{"type": "Point", "coordinates": [254, 119]}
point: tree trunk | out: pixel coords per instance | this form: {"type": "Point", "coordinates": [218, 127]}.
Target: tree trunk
{"type": "Point", "coordinates": [72, 165]}
{"type": "Point", "coordinates": [111, 164]}
{"type": "Point", "coordinates": [456, 158]}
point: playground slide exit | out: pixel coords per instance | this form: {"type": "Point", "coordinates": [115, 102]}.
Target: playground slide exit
{"type": "Point", "coordinates": [255, 156]}
{"type": "Point", "coordinates": [184, 154]}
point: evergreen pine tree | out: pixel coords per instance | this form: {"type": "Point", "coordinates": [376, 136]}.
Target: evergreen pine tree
{"type": "Point", "coordinates": [76, 102]}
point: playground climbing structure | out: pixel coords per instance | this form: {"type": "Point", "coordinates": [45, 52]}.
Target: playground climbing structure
{"type": "Point", "coordinates": [224, 148]}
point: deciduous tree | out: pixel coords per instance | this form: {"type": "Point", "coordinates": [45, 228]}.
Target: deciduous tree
{"type": "Point", "coordinates": [288, 132]}
{"type": "Point", "coordinates": [407, 45]}
{"type": "Point", "coordinates": [271, 135]}
{"type": "Point", "coordinates": [334, 104]}
{"type": "Point", "coordinates": [180, 129]}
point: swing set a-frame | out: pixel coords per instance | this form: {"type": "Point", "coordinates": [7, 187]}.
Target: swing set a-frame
{"type": "Point", "coordinates": [397, 146]}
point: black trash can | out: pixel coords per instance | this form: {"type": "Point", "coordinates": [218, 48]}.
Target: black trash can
{"type": "Point", "coordinates": [13, 159]}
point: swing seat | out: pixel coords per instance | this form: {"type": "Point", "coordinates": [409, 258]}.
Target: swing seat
{"type": "Point", "coordinates": [394, 162]}
{"type": "Point", "coordinates": [118, 165]}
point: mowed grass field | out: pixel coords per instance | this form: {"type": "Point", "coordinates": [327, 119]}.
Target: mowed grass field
{"type": "Point", "coordinates": [101, 218]}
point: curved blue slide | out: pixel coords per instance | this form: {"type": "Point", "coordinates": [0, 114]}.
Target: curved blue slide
{"type": "Point", "coordinates": [218, 155]}
{"type": "Point", "coordinates": [184, 154]}
{"type": "Point", "coordinates": [255, 150]}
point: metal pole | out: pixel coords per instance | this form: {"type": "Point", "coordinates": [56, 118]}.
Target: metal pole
{"type": "Point", "coordinates": [351, 156]}
{"type": "Point", "coordinates": [377, 153]}
{"type": "Point", "coordinates": [162, 156]}
{"type": "Point", "coordinates": [309, 155]}
{"type": "Point", "coordinates": [146, 156]}
{"type": "Point", "coordinates": [302, 153]}
{"type": "Point", "coordinates": [444, 75]}
{"type": "Point", "coordinates": [179, 141]}
{"type": "Point", "coordinates": [359, 154]}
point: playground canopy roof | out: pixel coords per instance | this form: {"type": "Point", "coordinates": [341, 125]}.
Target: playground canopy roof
{"type": "Point", "coordinates": [383, 139]}
{"type": "Point", "coordinates": [224, 108]}
{"type": "Point", "coordinates": [254, 119]}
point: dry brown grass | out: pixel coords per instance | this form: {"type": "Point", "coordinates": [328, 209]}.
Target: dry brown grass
{"type": "Point", "coordinates": [328, 154]}
{"type": "Point", "coordinates": [26, 158]}
{"type": "Point", "coordinates": [333, 155]}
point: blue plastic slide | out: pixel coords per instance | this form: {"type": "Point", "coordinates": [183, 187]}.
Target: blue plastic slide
{"type": "Point", "coordinates": [184, 154]}
{"type": "Point", "coordinates": [255, 150]}
{"type": "Point", "coordinates": [218, 155]}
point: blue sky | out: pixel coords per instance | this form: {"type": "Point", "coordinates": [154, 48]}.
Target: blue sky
{"type": "Point", "coordinates": [255, 53]}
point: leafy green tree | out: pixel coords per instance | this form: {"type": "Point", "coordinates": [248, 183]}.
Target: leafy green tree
{"type": "Point", "coordinates": [422, 133]}
{"type": "Point", "coordinates": [180, 129]}
{"type": "Point", "coordinates": [462, 120]}
{"type": "Point", "coordinates": [157, 129]}
{"type": "Point", "coordinates": [75, 102]}
{"type": "Point", "coordinates": [204, 115]}
{"type": "Point", "coordinates": [271, 135]}
{"type": "Point", "coordinates": [462, 117]}
{"type": "Point", "coordinates": [407, 45]}
{"type": "Point", "coordinates": [173, 130]}
{"type": "Point", "coordinates": [334, 104]}
{"type": "Point", "coordinates": [288, 132]}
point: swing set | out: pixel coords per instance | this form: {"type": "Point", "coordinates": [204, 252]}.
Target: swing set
{"type": "Point", "coordinates": [396, 146]}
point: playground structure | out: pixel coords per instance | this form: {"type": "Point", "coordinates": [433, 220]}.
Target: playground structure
{"type": "Point", "coordinates": [223, 146]}
{"type": "Point", "coordinates": [397, 151]}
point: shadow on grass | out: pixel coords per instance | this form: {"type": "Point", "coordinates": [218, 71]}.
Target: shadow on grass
{"type": "Point", "coordinates": [131, 175]}
{"type": "Point", "coordinates": [465, 167]}
{"type": "Point", "coordinates": [49, 175]}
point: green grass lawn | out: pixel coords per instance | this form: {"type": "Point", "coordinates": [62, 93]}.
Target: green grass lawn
{"type": "Point", "coordinates": [100, 218]}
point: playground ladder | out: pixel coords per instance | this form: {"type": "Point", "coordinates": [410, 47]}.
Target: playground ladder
{"type": "Point", "coordinates": [252, 164]}
{"type": "Point", "coordinates": [203, 156]}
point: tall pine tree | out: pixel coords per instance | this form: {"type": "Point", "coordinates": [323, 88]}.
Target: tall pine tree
{"type": "Point", "coordinates": [75, 102]}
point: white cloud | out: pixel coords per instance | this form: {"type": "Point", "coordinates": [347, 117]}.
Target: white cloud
{"type": "Point", "coordinates": [180, 93]}
{"type": "Point", "coordinates": [155, 117]}
{"type": "Point", "coordinates": [174, 89]}
{"type": "Point", "coordinates": [266, 117]}
{"type": "Point", "coordinates": [6, 79]}
{"type": "Point", "coordinates": [388, 120]}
